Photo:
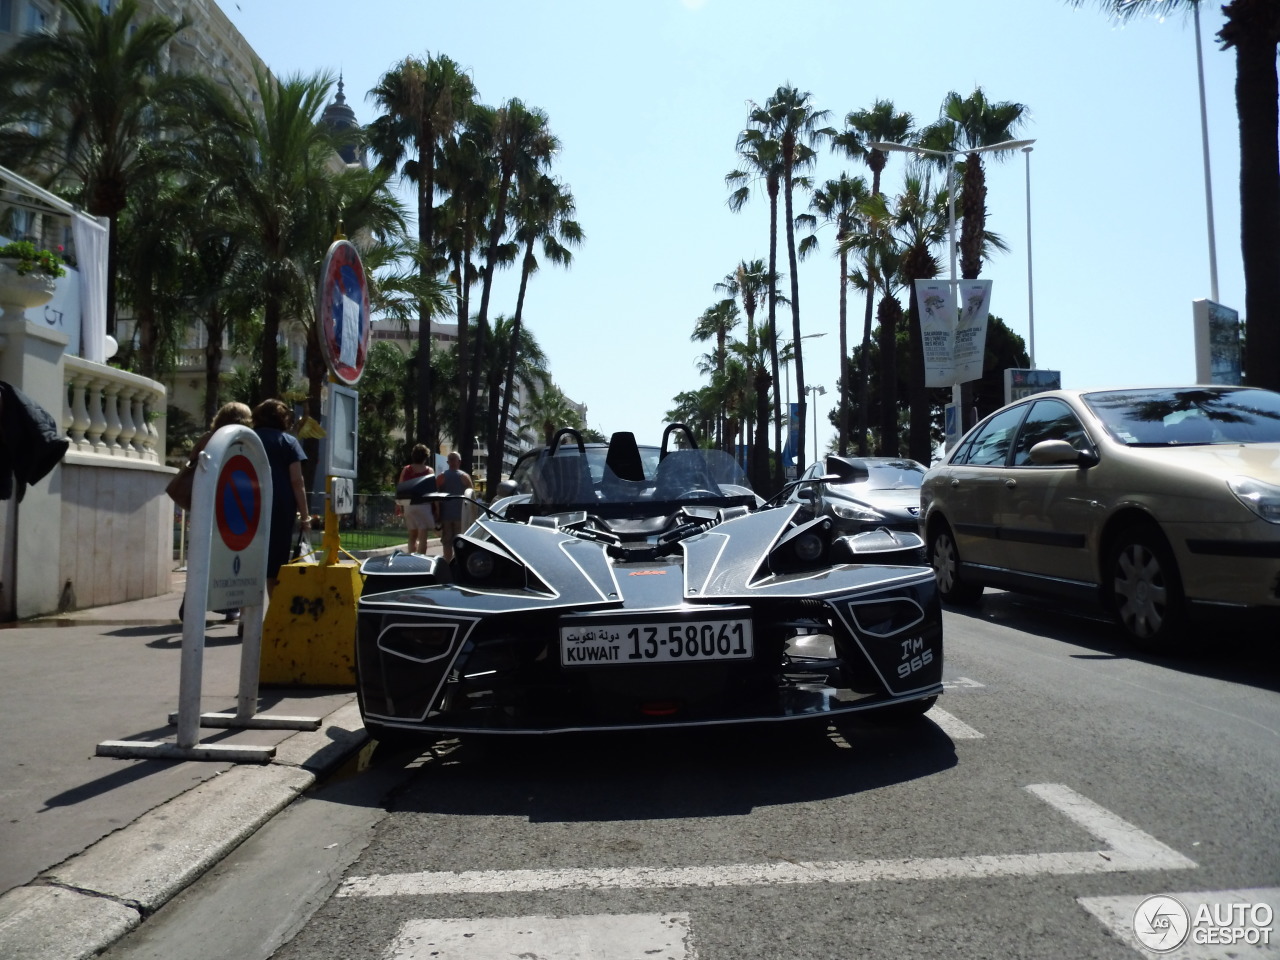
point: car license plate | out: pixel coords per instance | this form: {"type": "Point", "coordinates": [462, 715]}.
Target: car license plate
{"type": "Point", "coordinates": [604, 642]}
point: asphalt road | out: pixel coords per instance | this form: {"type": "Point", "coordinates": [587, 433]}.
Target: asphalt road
{"type": "Point", "coordinates": [1060, 781]}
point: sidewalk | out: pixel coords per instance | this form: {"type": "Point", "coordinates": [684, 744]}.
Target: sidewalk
{"type": "Point", "coordinates": [92, 846]}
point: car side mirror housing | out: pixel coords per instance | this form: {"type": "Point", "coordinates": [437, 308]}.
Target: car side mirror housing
{"type": "Point", "coordinates": [1060, 453]}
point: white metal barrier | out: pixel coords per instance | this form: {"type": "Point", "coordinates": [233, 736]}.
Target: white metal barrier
{"type": "Point", "coordinates": [233, 466]}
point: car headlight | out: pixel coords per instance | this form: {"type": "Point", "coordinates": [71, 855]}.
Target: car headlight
{"type": "Point", "coordinates": [805, 547]}
{"type": "Point", "coordinates": [858, 514]}
{"type": "Point", "coordinates": [1262, 498]}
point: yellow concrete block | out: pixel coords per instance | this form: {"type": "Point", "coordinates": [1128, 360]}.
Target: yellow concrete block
{"type": "Point", "coordinates": [309, 634]}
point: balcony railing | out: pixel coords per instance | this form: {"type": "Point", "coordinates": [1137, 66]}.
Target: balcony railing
{"type": "Point", "coordinates": [110, 413]}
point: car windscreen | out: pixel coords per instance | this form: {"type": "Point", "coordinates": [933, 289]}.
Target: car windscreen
{"type": "Point", "coordinates": [1188, 415]}
{"type": "Point", "coordinates": [682, 475]}
{"type": "Point", "coordinates": [892, 475]}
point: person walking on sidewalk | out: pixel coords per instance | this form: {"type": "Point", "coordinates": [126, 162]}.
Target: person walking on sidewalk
{"type": "Point", "coordinates": [453, 481]}
{"type": "Point", "coordinates": [419, 518]}
{"type": "Point", "coordinates": [271, 421]}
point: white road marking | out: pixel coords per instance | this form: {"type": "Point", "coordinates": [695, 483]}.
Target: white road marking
{"type": "Point", "coordinates": [1116, 913]}
{"type": "Point", "coordinates": [954, 728]}
{"type": "Point", "coordinates": [640, 936]}
{"type": "Point", "coordinates": [1127, 849]}
{"type": "Point", "coordinates": [962, 683]}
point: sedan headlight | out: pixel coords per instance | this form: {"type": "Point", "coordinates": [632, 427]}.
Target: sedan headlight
{"type": "Point", "coordinates": [859, 514]}
{"type": "Point", "coordinates": [1262, 498]}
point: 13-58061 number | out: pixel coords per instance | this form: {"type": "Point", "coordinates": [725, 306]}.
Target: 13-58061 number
{"type": "Point", "coordinates": [689, 640]}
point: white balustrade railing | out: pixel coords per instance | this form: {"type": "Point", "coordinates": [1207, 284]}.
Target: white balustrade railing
{"type": "Point", "coordinates": [108, 412]}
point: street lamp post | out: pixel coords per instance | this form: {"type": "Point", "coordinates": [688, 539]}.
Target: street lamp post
{"type": "Point", "coordinates": [1031, 302]}
{"type": "Point", "coordinates": [950, 156]}
{"type": "Point", "coordinates": [817, 391]}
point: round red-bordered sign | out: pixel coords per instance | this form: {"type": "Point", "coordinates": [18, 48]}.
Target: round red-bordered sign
{"type": "Point", "coordinates": [237, 502]}
{"type": "Point", "coordinates": [344, 312]}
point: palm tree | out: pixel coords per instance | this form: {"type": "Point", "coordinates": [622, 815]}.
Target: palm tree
{"type": "Point", "coordinates": [762, 162]}
{"type": "Point", "coordinates": [880, 124]}
{"type": "Point", "coordinates": [1252, 27]}
{"type": "Point", "coordinates": [788, 118]}
{"type": "Point", "coordinates": [968, 123]}
{"type": "Point", "coordinates": [838, 202]}
{"type": "Point", "coordinates": [881, 257]}
{"type": "Point", "coordinates": [281, 173]}
{"type": "Point", "coordinates": [467, 173]}
{"type": "Point", "coordinates": [546, 411]}
{"type": "Point", "coordinates": [100, 96]}
{"type": "Point", "coordinates": [424, 101]}
{"type": "Point", "coordinates": [523, 146]}
{"type": "Point", "coordinates": [544, 215]}
{"type": "Point", "coordinates": [919, 220]}
{"type": "Point", "coordinates": [751, 281]}
{"type": "Point", "coordinates": [716, 323]}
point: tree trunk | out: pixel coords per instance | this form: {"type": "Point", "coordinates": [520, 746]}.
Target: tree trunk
{"type": "Point", "coordinates": [890, 314]}
{"type": "Point", "coordinates": [1252, 28]}
{"type": "Point", "coordinates": [213, 363]}
{"type": "Point", "coordinates": [919, 445]}
{"type": "Point", "coordinates": [802, 399]}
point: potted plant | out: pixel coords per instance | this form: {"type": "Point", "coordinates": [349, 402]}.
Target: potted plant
{"type": "Point", "coordinates": [27, 275]}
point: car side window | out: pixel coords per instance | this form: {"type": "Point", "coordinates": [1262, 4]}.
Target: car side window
{"type": "Point", "coordinates": [1048, 420]}
{"type": "Point", "coordinates": [990, 445]}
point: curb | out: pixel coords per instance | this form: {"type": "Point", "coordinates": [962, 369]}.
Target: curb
{"type": "Point", "coordinates": [91, 900]}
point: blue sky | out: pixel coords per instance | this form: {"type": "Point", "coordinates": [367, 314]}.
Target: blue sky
{"type": "Point", "coordinates": [648, 96]}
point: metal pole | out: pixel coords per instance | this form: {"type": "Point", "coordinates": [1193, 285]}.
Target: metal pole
{"type": "Point", "coordinates": [951, 220]}
{"type": "Point", "coordinates": [1031, 300]}
{"type": "Point", "coordinates": [1204, 141]}
{"type": "Point", "coordinates": [815, 422]}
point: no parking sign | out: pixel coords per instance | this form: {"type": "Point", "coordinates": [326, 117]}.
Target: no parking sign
{"type": "Point", "coordinates": [231, 507]}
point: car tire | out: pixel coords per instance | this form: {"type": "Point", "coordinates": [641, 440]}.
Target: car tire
{"type": "Point", "coordinates": [945, 560]}
{"type": "Point", "coordinates": [1145, 590]}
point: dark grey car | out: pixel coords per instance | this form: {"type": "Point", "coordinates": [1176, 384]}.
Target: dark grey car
{"type": "Point", "coordinates": [864, 493]}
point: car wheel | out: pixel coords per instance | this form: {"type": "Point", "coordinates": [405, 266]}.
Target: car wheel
{"type": "Point", "coordinates": [945, 560]}
{"type": "Point", "coordinates": [1146, 594]}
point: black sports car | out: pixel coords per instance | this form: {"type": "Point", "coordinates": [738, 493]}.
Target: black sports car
{"type": "Point", "coordinates": [631, 601]}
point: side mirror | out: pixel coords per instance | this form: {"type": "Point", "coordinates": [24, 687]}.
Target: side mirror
{"type": "Point", "coordinates": [1060, 453]}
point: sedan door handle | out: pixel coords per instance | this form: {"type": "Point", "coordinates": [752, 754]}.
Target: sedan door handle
{"type": "Point", "coordinates": [1011, 483]}
{"type": "Point", "coordinates": [955, 482]}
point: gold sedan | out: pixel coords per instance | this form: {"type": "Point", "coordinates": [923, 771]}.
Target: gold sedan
{"type": "Point", "coordinates": [1156, 502]}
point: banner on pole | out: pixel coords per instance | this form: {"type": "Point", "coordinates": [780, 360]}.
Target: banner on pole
{"type": "Point", "coordinates": [954, 340]}
{"type": "Point", "coordinates": [937, 331]}
{"type": "Point", "coordinates": [971, 329]}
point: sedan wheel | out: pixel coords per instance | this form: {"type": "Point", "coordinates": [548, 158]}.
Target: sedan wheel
{"type": "Point", "coordinates": [1146, 594]}
{"type": "Point", "coordinates": [945, 560]}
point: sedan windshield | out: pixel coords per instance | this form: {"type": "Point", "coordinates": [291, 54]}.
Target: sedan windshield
{"type": "Point", "coordinates": [893, 475]}
{"type": "Point", "coordinates": [1188, 415]}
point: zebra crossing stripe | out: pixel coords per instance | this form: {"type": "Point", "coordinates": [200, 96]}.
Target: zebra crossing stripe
{"type": "Point", "coordinates": [1127, 849]}
{"type": "Point", "coordinates": [599, 937]}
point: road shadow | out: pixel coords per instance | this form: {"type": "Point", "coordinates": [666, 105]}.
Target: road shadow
{"type": "Point", "coordinates": [1239, 649]}
{"type": "Point", "coordinates": [667, 774]}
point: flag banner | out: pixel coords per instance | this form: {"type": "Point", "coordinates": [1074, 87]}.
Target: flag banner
{"type": "Point", "coordinates": [789, 450]}
{"type": "Point", "coordinates": [937, 331]}
{"type": "Point", "coordinates": [971, 329]}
